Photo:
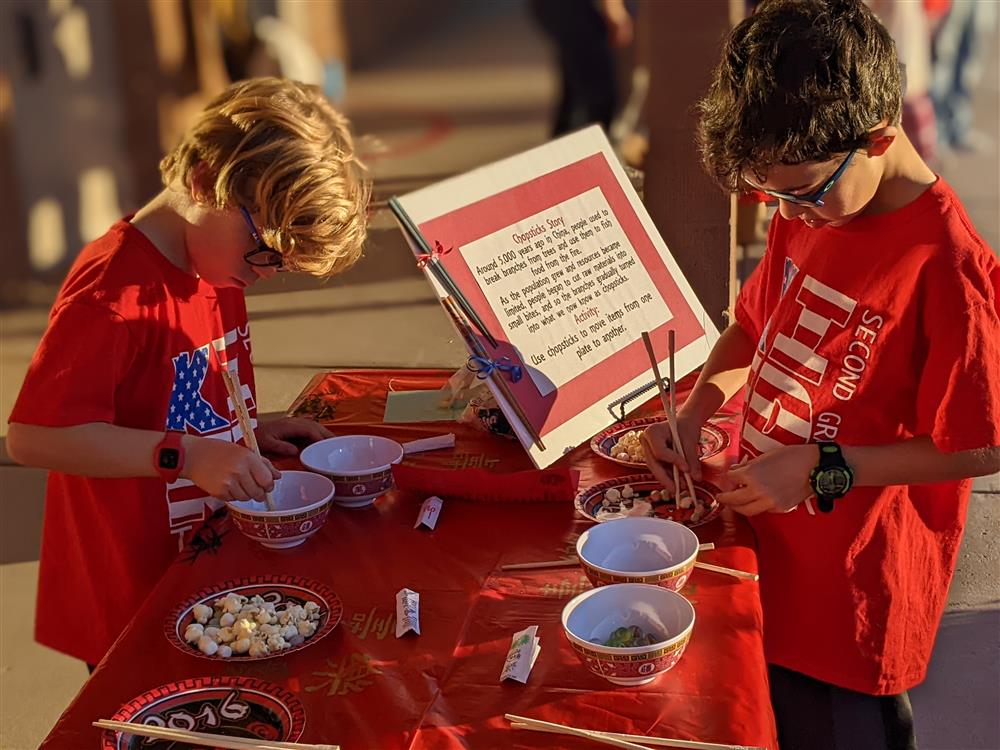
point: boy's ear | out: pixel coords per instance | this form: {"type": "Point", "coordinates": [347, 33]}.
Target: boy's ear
{"type": "Point", "coordinates": [202, 184]}
{"type": "Point", "coordinates": [880, 139]}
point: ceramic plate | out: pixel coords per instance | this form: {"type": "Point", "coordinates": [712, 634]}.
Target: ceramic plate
{"type": "Point", "coordinates": [589, 501]}
{"type": "Point", "coordinates": [713, 440]}
{"type": "Point", "coordinates": [279, 590]}
{"type": "Point", "coordinates": [235, 706]}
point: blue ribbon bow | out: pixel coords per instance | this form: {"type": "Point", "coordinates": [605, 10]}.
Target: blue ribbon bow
{"type": "Point", "coordinates": [483, 367]}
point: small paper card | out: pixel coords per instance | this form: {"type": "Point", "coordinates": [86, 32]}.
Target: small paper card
{"type": "Point", "coordinates": [535, 485]}
{"type": "Point", "coordinates": [421, 406]}
{"type": "Point", "coordinates": [429, 512]}
{"type": "Point", "coordinates": [524, 650]}
{"type": "Point", "coordinates": [407, 612]}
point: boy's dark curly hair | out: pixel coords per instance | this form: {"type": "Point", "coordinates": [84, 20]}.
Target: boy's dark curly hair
{"type": "Point", "coordinates": [799, 80]}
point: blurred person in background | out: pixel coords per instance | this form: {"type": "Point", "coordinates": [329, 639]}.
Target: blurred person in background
{"type": "Point", "coordinates": [585, 33]}
{"type": "Point", "coordinates": [960, 45]}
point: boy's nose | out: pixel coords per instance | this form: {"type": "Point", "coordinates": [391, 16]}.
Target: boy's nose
{"type": "Point", "coordinates": [791, 210]}
{"type": "Point", "coordinates": [265, 272]}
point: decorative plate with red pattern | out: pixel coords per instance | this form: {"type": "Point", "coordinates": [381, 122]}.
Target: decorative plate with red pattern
{"type": "Point", "coordinates": [279, 590]}
{"type": "Point", "coordinates": [713, 440]}
{"type": "Point", "coordinates": [590, 502]}
{"type": "Point", "coordinates": [233, 706]}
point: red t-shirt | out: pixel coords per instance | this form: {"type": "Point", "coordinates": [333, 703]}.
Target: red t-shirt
{"type": "Point", "coordinates": [132, 341]}
{"type": "Point", "coordinates": [869, 334]}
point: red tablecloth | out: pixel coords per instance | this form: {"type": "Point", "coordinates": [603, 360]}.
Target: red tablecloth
{"type": "Point", "coordinates": [364, 688]}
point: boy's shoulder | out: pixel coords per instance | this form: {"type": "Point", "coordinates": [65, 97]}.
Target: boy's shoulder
{"type": "Point", "coordinates": [114, 270]}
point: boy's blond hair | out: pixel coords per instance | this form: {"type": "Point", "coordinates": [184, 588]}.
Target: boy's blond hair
{"type": "Point", "coordinates": [278, 148]}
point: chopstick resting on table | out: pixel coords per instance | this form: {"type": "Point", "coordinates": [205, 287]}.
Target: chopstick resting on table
{"type": "Point", "coordinates": [232, 381]}
{"type": "Point", "coordinates": [617, 739]}
{"type": "Point", "coordinates": [668, 406]}
{"type": "Point", "coordinates": [741, 574]}
{"type": "Point", "coordinates": [438, 270]}
{"type": "Point", "coordinates": [204, 738]}
{"type": "Point", "coordinates": [566, 562]}
{"type": "Point", "coordinates": [495, 376]}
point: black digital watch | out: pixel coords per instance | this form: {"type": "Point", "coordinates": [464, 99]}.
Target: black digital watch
{"type": "Point", "coordinates": [832, 478]}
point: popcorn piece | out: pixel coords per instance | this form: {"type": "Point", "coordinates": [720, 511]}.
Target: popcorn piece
{"type": "Point", "coordinates": [225, 652]}
{"type": "Point", "coordinates": [241, 646]}
{"type": "Point", "coordinates": [193, 632]}
{"type": "Point", "coordinates": [207, 646]}
{"type": "Point", "coordinates": [227, 619]}
{"type": "Point", "coordinates": [202, 613]}
{"type": "Point", "coordinates": [306, 627]}
{"type": "Point", "coordinates": [258, 648]}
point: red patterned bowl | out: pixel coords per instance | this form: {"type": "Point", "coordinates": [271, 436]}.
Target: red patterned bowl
{"type": "Point", "coordinates": [302, 500]}
{"type": "Point", "coordinates": [596, 613]}
{"type": "Point", "coordinates": [638, 550]}
{"type": "Point", "coordinates": [359, 465]}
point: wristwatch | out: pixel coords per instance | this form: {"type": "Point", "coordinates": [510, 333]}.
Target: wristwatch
{"type": "Point", "coordinates": [168, 456]}
{"type": "Point", "coordinates": [832, 478]}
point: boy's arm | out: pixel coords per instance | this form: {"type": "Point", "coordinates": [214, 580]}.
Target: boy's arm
{"type": "Point", "coordinates": [98, 449]}
{"type": "Point", "coordinates": [778, 480]}
{"type": "Point", "coordinates": [723, 375]}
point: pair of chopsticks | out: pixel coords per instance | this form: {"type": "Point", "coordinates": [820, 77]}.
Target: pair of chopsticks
{"type": "Point", "coordinates": [615, 739]}
{"type": "Point", "coordinates": [437, 269]}
{"type": "Point", "coordinates": [566, 562]}
{"type": "Point", "coordinates": [569, 562]}
{"type": "Point", "coordinates": [204, 738]}
{"type": "Point", "coordinates": [232, 381]}
{"type": "Point", "coordinates": [670, 407]}
{"type": "Point", "coordinates": [496, 376]}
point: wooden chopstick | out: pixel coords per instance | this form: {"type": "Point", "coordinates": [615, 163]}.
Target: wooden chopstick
{"type": "Point", "coordinates": [205, 738]}
{"type": "Point", "coordinates": [741, 574]}
{"type": "Point", "coordinates": [564, 563]}
{"type": "Point", "coordinates": [521, 722]}
{"type": "Point", "coordinates": [671, 417]}
{"type": "Point", "coordinates": [497, 378]}
{"type": "Point", "coordinates": [232, 382]}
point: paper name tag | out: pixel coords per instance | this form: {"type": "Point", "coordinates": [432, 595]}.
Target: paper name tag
{"type": "Point", "coordinates": [429, 512]}
{"type": "Point", "coordinates": [524, 650]}
{"type": "Point", "coordinates": [407, 612]}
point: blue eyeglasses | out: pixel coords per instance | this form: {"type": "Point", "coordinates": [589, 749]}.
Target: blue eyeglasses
{"type": "Point", "coordinates": [814, 198]}
{"type": "Point", "coordinates": [261, 255]}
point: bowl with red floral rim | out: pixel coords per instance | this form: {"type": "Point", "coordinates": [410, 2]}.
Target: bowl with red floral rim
{"type": "Point", "coordinates": [232, 706]}
{"type": "Point", "coordinates": [360, 466]}
{"type": "Point", "coordinates": [302, 503]}
{"type": "Point", "coordinates": [638, 550]}
{"type": "Point", "coordinates": [663, 617]}
{"type": "Point", "coordinates": [648, 499]}
{"type": "Point", "coordinates": [279, 590]}
{"type": "Point", "coordinates": [712, 441]}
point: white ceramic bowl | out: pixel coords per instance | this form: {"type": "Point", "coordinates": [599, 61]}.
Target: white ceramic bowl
{"type": "Point", "coordinates": [302, 501]}
{"type": "Point", "coordinates": [359, 465]}
{"type": "Point", "coordinates": [596, 613]}
{"type": "Point", "coordinates": [638, 550]}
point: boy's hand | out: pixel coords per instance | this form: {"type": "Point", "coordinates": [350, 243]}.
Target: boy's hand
{"type": "Point", "coordinates": [658, 449]}
{"type": "Point", "coordinates": [775, 482]}
{"type": "Point", "coordinates": [273, 437]}
{"type": "Point", "coordinates": [226, 470]}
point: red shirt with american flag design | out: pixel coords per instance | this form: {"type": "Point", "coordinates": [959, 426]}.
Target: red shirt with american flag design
{"type": "Point", "coordinates": [869, 334]}
{"type": "Point", "coordinates": [133, 341]}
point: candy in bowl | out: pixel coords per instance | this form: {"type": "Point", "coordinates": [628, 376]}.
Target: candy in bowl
{"type": "Point", "coordinates": [656, 618]}
{"type": "Point", "coordinates": [302, 501]}
{"type": "Point", "coordinates": [638, 550]}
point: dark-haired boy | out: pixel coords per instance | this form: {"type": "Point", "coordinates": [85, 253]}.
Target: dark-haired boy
{"type": "Point", "coordinates": [869, 343]}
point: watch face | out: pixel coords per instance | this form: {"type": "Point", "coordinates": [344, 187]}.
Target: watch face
{"type": "Point", "coordinates": [169, 458]}
{"type": "Point", "coordinates": [833, 481]}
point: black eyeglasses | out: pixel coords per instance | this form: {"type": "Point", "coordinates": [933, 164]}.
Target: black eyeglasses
{"type": "Point", "coordinates": [814, 198]}
{"type": "Point", "coordinates": [262, 255]}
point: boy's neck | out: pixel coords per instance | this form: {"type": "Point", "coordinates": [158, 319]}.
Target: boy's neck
{"type": "Point", "coordinates": [905, 178]}
{"type": "Point", "coordinates": [162, 221]}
